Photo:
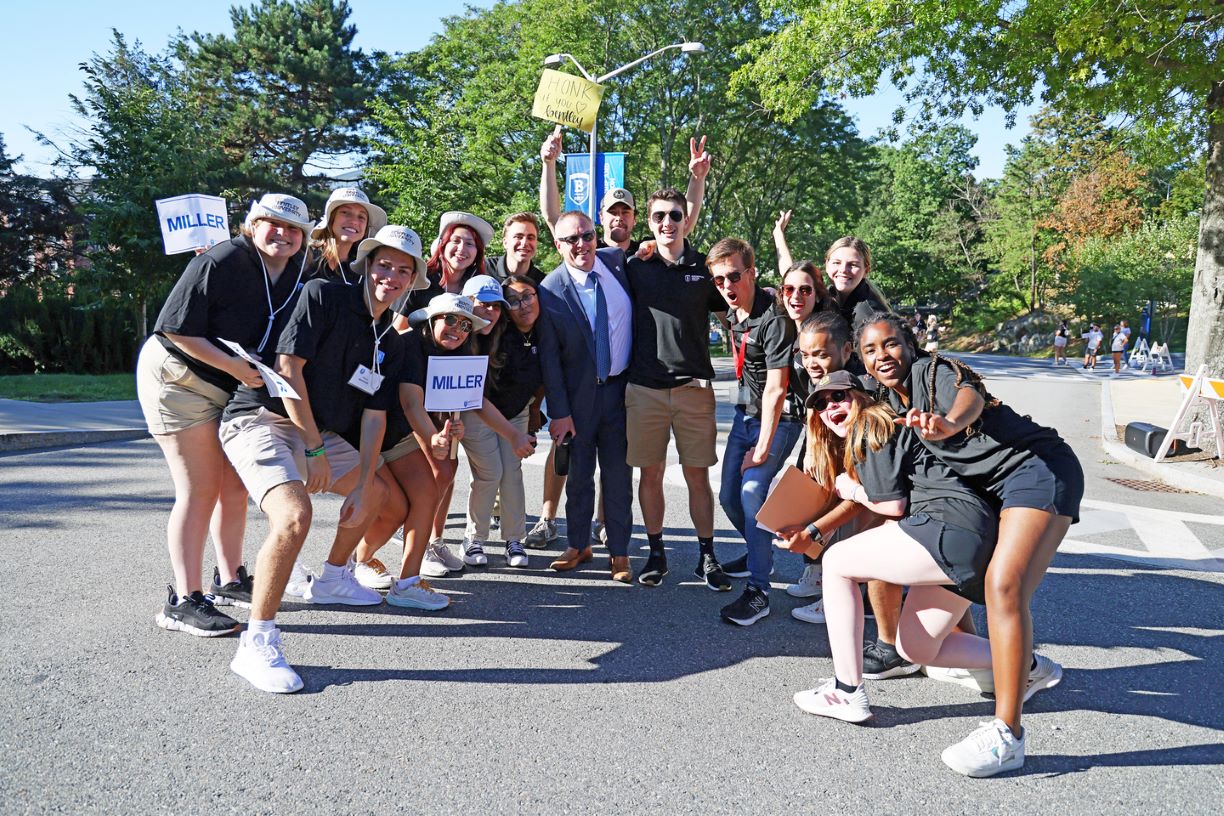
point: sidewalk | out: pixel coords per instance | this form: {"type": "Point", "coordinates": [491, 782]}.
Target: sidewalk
{"type": "Point", "coordinates": [27, 425]}
{"type": "Point", "coordinates": [1139, 398]}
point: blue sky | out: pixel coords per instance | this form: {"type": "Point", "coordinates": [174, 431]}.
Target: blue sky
{"type": "Point", "coordinates": [46, 42]}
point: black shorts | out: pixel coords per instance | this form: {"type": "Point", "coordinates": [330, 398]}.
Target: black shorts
{"type": "Point", "coordinates": [1052, 477]}
{"type": "Point", "coordinates": [962, 554]}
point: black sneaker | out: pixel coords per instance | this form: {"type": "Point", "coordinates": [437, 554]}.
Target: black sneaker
{"type": "Point", "coordinates": [235, 593]}
{"type": "Point", "coordinates": [748, 608]}
{"type": "Point", "coordinates": [710, 571]}
{"type": "Point", "coordinates": [881, 663]}
{"type": "Point", "coordinates": [737, 568]}
{"type": "Point", "coordinates": [654, 570]}
{"type": "Point", "coordinates": [194, 615]}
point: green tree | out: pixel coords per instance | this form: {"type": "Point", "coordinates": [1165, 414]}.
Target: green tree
{"type": "Point", "coordinates": [288, 86]}
{"type": "Point", "coordinates": [1159, 63]}
{"type": "Point", "coordinates": [38, 225]}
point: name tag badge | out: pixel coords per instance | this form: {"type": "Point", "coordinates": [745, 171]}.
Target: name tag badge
{"type": "Point", "coordinates": [365, 380]}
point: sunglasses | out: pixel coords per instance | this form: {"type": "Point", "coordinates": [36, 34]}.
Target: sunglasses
{"type": "Point", "coordinates": [454, 321]}
{"type": "Point", "coordinates": [828, 397]}
{"type": "Point", "coordinates": [721, 280]}
{"type": "Point", "coordinates": [580, 238]}
{"type": "Point", "coordinates": [675, 215]}
{"type": "Point", "coordinates": [520, 302]}
{"type": "Point", "coordinates": [802, 289]}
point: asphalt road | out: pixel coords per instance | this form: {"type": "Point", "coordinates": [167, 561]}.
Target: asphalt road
{"type": "Point", "coordinates": [542, 693]}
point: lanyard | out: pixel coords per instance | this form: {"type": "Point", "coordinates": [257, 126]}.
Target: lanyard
{"type": "Point", "coordinates": [378, 336]}
{"type": "Point", "coordinates": [273, 312]}
{"type": "Point", "coordinates": [740, 354]}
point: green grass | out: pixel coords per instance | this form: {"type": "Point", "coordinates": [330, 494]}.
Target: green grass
{"type": "Point", "coordinates": [68, 387]}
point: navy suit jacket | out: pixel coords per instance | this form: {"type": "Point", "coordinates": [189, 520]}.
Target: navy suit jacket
{"type": "Point", "coordinates": [567, 346]}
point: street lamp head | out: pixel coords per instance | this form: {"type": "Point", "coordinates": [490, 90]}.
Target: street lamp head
{"type": "Point", "coordinates": [692, 48]}
{"type": "Point", "coordinates": [553, 60]}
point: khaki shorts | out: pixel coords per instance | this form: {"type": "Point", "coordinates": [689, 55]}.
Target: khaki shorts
{"type": "Point", "coordinates": [401, 448]}
{"type": "Point", "coordinates": [172, 397]}
{"type": "Point", "coordinates": [267, 450]}
{"type": "Point", "coordinates": [653, 414]}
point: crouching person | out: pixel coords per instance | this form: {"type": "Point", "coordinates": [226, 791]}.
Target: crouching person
{"type": "Point", "coordinates": [332, 352]}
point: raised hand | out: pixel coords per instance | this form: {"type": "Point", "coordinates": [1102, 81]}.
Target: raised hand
{"type": "Point", "coordinates": [699, 163]}
{"type": "Point", "coordinates": [551, 149]}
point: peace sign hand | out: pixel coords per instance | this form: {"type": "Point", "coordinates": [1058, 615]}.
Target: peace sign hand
{"type": "Point", "coordinates": [699, 164]}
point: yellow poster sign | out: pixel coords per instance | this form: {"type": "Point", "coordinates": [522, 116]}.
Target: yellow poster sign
{"type": "Point", "coordinates": [567, 100]}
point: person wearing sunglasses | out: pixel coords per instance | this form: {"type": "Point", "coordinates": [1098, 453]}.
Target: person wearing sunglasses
{"type": "Point", "coordinates": [763, 431]}
{"type": "Point", "coordinates": [586, 322]}
{"type": "Point", "coordinates": [670, 390]}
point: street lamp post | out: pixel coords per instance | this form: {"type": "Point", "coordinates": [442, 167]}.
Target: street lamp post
{"type": "Point", "coordinates": [553, 60]}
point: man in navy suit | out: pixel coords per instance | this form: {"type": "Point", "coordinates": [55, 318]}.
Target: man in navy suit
{"type": "Point", "coordinates": [585, 348]}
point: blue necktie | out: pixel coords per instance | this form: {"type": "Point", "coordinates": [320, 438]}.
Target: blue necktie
{"type": "Point", "coordinates": [603, 346]}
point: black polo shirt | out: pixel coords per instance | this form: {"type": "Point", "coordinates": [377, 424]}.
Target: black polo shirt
{"type": "Point", "coordinates": [316, 266]}
{"type": "Point", "coordinates": [330, 329]}
{"type": "Point", "coordinates": [765, 340]}
{"type": "Point", "coordinates": [496, 267]}
{"type": "Point", "coordinates": [419, 298]}
{"type": "Point", "coordinates": [991, 448]}
{"type": "Point", "coordinates": [512, 387]}
{"type": "Point", "coordinates": [416, 347]}
{"type": "Point", "coordinates": [799, 387]}
{"type": "Point", "coordinates": [671, 319]}
{"type": "Point", "coordinates": [222, 295]}
{"type": "Point", "coordinates": [860, 304]}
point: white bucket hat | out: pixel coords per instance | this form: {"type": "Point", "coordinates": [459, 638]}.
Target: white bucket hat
{"type": "Point", "coordinates": [448, 303]}
{"type": "Point", "coordinates": [482, 227]}
{"type": "Point", "coordinates": [280, 207]}
{"type": "Point", "coordinates": [396, 237]}
{"type": "Point", "coordinates": [350, 195]}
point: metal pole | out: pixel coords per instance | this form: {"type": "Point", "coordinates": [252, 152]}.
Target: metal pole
{"type": "Point", "coordinates": [592, 204]}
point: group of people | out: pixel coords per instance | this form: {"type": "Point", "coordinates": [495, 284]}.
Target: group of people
{"type": "Point", "coordinates": [939, 487]}
{"type": "Point", "coordinates": [1093, 339]}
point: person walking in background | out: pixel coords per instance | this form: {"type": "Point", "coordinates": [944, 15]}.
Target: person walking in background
{"type": "Point", "coordinates": [1092, 343]}
{"type": "Point", "coordinates": [1117, 345]}
{"type": "Point", "coordinates": [932, 334]}
{"type": "Point", "coordinates": [1060, 343]}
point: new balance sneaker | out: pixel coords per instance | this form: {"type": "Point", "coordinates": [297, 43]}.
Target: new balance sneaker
{"type": "Point", "coordinates": [827, 700]}
{"type": "Point", "coordinates": [341, 588]}
{"type": "Point", "coordinates": [989, 750]}
{"type": "Point", "coordinates": [373, 574]}
{"type": "Point", "coordinates": [261, 662]}
{"type": "Point", "coordinates": [653, 571]}
{"type": "Point", "coordinates": [808, 585]}
{"type": "Point", "coordinates": [516, 556]}
{"type": "Point", "coordinates": [748, 608]}
{"type": "Point", "coordinates": [710, 571]}
{"type": "Point", "coordinates": [473, 553]}
{"type": "Point", "coordinates": [738, 568]}
{"type": "Point", "coordinates": [235, 593]}
{"type": "Point", "coordinates": [812, 613]}
{"type": "Point", "coordinates": [541, 535]}
{"type": "Point", "coordinates": [1047, 674]}
{"type": "Point", "coordinates": [417, 595]}
{"type": "Point", "coordinates": [195, 615]}
{"type": "Point", "coordinates": [299, 579]}
{"type": "Point", "coordinates": [881, 663]}
{"type": "Point", "coordinates": [980, 680]}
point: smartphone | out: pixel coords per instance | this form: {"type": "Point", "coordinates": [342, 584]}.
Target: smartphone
{"type": "Point", "coordinates": [561, 457]}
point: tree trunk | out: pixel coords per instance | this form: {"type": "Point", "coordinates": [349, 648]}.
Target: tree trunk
{"type": "Point", "coordinates": [1205, 335]}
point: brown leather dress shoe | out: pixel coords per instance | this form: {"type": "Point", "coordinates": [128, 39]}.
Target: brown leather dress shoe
{"type": "Point", "coordinates": [570, 559]}
{"type": "Point", "coordinates": [619, 565]}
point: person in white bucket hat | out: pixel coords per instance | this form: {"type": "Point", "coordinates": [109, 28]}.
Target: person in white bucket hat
{"type": "Point", "coordinates": [348, 217]}
{"type": "Point", "coordinates": [456, 255]}
{"type": "Point", "coordinates": [239, 290]}
{"type": "Point", "coordinates": [400, 239]}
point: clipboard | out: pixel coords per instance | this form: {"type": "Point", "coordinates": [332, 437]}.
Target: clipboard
{"type": "Point", "coordinates": [794, 499]}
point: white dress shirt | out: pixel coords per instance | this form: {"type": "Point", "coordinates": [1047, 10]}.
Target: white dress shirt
{"type": "Point", "coordinates": [620, 311]}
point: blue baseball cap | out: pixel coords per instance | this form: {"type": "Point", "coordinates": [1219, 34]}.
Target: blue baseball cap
{"type": "Point", "coordinates": [485, 289]}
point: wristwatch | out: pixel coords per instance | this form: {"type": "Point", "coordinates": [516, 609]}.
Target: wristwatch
{"type": "Point", "coordinates": [816, 535]}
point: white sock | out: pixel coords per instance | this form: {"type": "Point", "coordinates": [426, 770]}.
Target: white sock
{"type": "Point", "coordinates": [408, 582]}
{"type": "Point", "coordinates": [261, 626]}
{"type": "Point", "coordinates": [330, 570]}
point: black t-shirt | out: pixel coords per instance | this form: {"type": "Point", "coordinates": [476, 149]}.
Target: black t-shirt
{"type": "Point", "coordinates": [222, 295]}
{"type": "Point", "coordinates": [764, 341]}
{"type": "Point", "coordinates": [330, 329]}
{"type": "Point", "coordinates": [798, 389]}
{"type": "Point", "coordinates": [416, 347]}
{"type": "Point", "coordinates": [988, 450]}
{"type": "Point", "coordinates": [316, 267]}
{"type": "Point", "coordinates": [860, 304]}
{"type": "Point", "coordinates": [671, 319]}
{"type": "Point", "coordinates": [496, 267]}
{"type": "Point", "coordinates": [904, 468]}
{"type": "Point", "coordinates": [419, 298]}
{"type": "Point", "coordinates": [520, 376]}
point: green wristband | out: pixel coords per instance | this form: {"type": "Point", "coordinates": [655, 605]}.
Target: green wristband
{"type": "Point", "coordinates": [319, 451]}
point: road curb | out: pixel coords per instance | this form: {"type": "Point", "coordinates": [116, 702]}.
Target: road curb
{"type": "Point", "coordinates": [1169, 474]}
{"type": "Point", "coordinates": [10, 442]}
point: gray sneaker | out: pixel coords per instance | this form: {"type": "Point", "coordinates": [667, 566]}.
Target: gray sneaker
{"type": "Point", "coordinates": [542, 535]}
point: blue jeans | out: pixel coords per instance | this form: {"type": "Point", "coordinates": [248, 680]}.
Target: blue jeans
{"type": "Point", "coordinates": [742, 494]}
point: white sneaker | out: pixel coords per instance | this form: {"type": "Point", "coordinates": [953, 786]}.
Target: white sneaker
{"type": "Point", "coordinates": [340, 589]}
{"type": "Point", "coordinates": [299, 579]}
{"type": "Point", "coordinates": [808, 585]}
{"type": "Point", "coordinates": [473, 553]}
{"type": "Point", "coordinates": [1047, 675]}
{"type": "Point", "coordinates": [445, 555]}
{"type": "Point", "coordinates": [812, 613]}
{"type": "Point", "coordinates": [261, 662]}
{"type": "Point", "coordinates": [373, 574]}
{"type": "Point", "coordinates": [981, 680]}
{"type": "Point", "coordinates": [989, 750]}
{"type": "Point", "coordinates": [516, 556]}
{"type": "Point", "coordinates": [827, 700]}
{"type": "Point", "coordinates": [417, 595]}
